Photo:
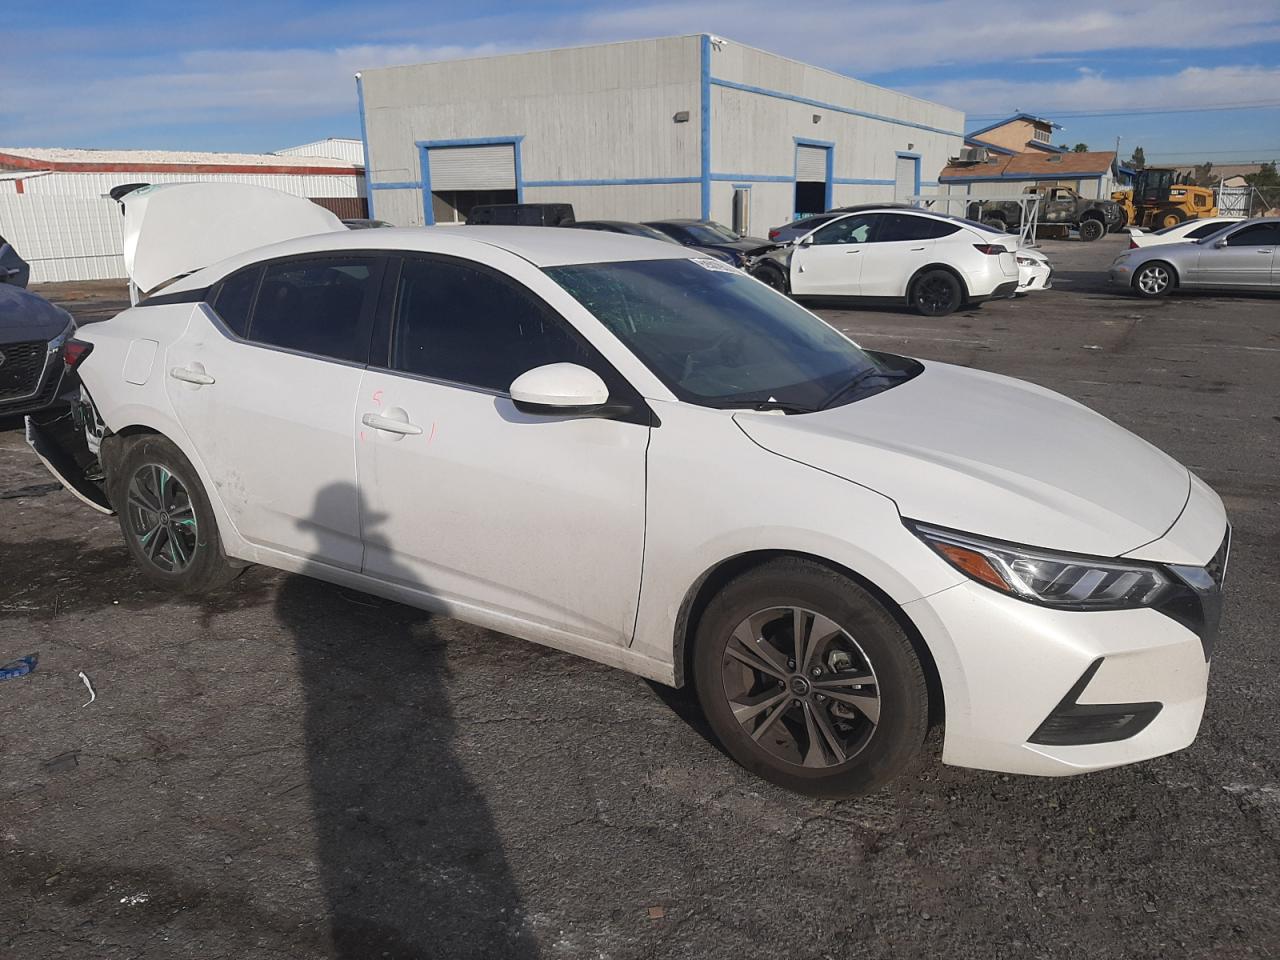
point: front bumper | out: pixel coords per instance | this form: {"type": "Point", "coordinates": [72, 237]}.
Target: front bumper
{"type": "Point", "coordinates": [1121, 274]}
{"type": "Point", "coordinates": [1017, 664]}
{"type": "Point", "coordinates": [52, 387]}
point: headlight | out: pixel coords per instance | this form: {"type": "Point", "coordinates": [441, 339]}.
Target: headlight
{"type": "Point", "coordinates": [58, 342]}
{"type": "Point", "coordinates": [1064, 581]}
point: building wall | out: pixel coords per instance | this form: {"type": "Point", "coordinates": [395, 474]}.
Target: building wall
{"type": "Point", "coordinates": [762, 104]}
{"type": "Point", "coordinates": [97, 185]}
{"type": "Point", "coordinates": [595, 128]}
{"type": "Point", "coordinates": [583, 114]}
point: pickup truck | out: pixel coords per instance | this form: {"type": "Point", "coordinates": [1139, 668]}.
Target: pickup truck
{"type": "Point", "coordinates": [1058, 205]}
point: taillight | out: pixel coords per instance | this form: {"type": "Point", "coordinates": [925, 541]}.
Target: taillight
{"type": "Point", "coordinates": [75, 352]}
{"type": "Point", "coordinates": [992, 249]}
{"type": "Point", "coordinates": [1133, 244]}
{"type": "Point", "coordinates": [773, 234]}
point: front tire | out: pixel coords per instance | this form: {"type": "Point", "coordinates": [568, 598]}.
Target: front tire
{"type": "Point", "coordinates": [165, 516]}
{"type": "Point", "coordinates": [936, 294]}
{"type": "Point", "coordinates": [774, 277]}
{"type": "Point", "coordinates": [1171, 219]}
{"type": "Point", "coordinates": [1154, 279]}
{"type": "Point", "coordinates": [1091, 230]}
{"type": "Point", "coordinates": [808, 682]}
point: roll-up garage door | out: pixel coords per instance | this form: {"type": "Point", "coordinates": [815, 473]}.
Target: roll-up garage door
{"type": "Point", "coordinates": [811, 164]}
{"type": "Point", "coordinates": [488, 167]}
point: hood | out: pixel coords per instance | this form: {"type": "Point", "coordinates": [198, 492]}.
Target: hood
{"type": "Point", "coordinates": [745, 244]}
{"type": "Point", "coordinates": [28, 316]}
{"type": "Point", "coordinates": [173, 229]}
{"type": "Point", "coordinates": [991, 456]}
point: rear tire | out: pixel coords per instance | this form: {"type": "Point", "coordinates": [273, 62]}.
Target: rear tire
{"type": "Point", "coordinates": [1092, 229]}
{"type": "Point", "coordinates": [1171, 219]}
{"type": "Point", "coordinates": [841, 716]}
{"type": "Point", "coordinates": [936, 293]}
{"type": "Point", "coordinates": [167, 521]}
{"type": "Point", "coordinates": [996, 224]}
{"type": "Point", "coordinates": [1154, 279]}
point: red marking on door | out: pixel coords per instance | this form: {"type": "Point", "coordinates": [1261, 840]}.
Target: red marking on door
{"type": "Point", "coordinates": [433, 433]}
{"type": "Point", "coordinates": [377, 397]}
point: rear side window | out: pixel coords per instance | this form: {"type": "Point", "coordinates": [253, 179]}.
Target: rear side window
{"type": "Point", "coordinates": [904, 226]}
{"type": "Point", "coordinates": [316, 306]}
{"type": "Point", "coordinates": [1199, 233]}
{"type": "Point", "coordinates": [465, 324]}
{"type": "Point", "coordinates": [235, 299]}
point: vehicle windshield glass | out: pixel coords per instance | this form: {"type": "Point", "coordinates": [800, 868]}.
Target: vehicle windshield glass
{"type": "Point", "coordinates": [985, 228]}
{"type": "Point", "coordinates": [710, 233]}
{"type": "Point", "coordinates": [713, 335]}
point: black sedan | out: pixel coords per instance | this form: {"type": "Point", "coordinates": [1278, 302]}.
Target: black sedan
{"type": "Point", "coordinates": [33, 334]}
{"type": "Point", "coordinates": [13, 269]}
{"type": "Point", "coordinates": [709, 235]}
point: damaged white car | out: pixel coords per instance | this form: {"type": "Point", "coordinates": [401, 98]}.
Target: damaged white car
{"type": "Point", "coordinates": [623, 450]}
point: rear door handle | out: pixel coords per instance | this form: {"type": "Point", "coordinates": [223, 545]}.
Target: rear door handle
{"type": "Point", "coordinates": [191, 376]}
{"type": "Point", "coordinates": [916, 249]}
{"type": "Point", "coordinates": [391, 425]}
{"type": "Point", "coordinates": [853, 251]}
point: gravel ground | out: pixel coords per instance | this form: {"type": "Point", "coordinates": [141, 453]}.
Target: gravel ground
{"type": "Point", "coordinates": [291, 770]}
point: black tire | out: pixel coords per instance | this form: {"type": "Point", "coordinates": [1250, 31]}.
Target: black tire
{"type": "Point", "coordinates": [165, 517]}
{"type": "Point", "coordinates": [1171, 218]}
{"type": "Point", "coordinates": [995, 223]}
{"type": "Point", "coordinates": [936, 293]}
{"type": "Point", "coordinates": [1092, 229]}
{"type": "Point", "coordinates": [868, 641]}
{"type": "Point", "coordinates": [773, 276]}
{"type": "Point", "coordinates": [1154, 279]}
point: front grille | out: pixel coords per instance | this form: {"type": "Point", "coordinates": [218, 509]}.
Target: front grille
{"type": "Point", "coordinates": [21, 369]}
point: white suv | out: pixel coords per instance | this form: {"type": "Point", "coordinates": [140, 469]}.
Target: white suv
{"type": "Point", "coordinates": [932, 262]}
{"type": "Point", "coordinates": [608, 445]}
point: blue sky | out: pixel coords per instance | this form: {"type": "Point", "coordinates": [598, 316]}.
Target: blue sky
{"type": "Point", "coordinates": [258, 76]}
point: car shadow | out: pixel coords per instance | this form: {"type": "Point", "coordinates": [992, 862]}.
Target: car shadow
{"type": "Point", "coordinates": [408, 853]}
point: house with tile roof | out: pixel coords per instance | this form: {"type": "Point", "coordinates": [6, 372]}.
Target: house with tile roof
{"type": "Point", "coordinates": [1094, 174]}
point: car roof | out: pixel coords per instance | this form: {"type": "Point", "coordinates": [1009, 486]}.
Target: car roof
{"type": "Point", "coordinates": [677, 220]}
{"type": "Point", "coordinates": [541, 246]}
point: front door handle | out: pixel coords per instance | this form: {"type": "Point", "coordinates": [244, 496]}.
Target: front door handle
{"type": "Point", "coordinates": [916, 249]}
{"type": "Point", "coordinates": [197, 377]}
{"type": "Point", "coordinates": [853, 251]}
{"type": "Point", "coordinates": [391, 425]}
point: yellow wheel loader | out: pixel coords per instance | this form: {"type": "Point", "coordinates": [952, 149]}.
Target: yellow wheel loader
{"type": "Point", "coordinates": [1159, 200]}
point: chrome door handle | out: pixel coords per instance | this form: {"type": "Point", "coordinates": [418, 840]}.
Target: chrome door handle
{"type": "Point", "coordinates": [391, 425]}
{"type": "Point", "coordinates": [191, 376]}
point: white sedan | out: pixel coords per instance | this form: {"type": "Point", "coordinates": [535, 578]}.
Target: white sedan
{"type": "Point", "coordinates": [1183, 232]}
{"type": "Point", "coordinates": [930, 261]}
{"type": "Point", "coordinates": [639, 455]}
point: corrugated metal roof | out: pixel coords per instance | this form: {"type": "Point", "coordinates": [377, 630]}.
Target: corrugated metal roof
{"type": "Point", "coordinates": [71, 157]}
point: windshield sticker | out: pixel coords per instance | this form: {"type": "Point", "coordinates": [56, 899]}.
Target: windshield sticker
{"type": "Point", "coordinates": [706, 263]}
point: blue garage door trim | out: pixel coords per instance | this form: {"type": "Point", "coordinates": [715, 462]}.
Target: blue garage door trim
{"type": "Point", "coordinates": [830, 147]}
{"type": "Point", "coordinates": [903, 155]}
{"type": "Point", "coordinates": [428, 215]}
{"type": "Point", "coordinates": [364, 140]}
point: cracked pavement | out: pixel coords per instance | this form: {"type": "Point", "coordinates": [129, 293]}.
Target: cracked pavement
{"type": "Point", "coordinates": [291, 770]}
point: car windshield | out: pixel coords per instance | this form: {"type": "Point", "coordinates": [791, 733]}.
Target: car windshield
{"type": "Point", "coordinates": [710, 232]}
{"type": "Point", "coordinates": [715, 336]}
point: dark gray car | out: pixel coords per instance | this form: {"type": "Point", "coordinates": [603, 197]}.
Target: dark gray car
{"type": "Point", "coordinates": [33, 334]}
{"type": "Point", "coordinates": [13, 269]}
{"type": "Point", "coordinates": [1242, 256]}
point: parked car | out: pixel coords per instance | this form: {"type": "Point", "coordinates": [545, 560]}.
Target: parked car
{"type": "Point", "coordinates": [1179, 233]}
{"type": "Point", "coordinates": [1241, 256]}
{"type": "Point", "coordinates": [709, 235]}
{"type": "Point", "coordinates": [522, 214]}
{"type": "Point", "coordinates": [14, 271]}
{"type": "Point", "coordinates": [616, 448]}
{"type": "Point", "coordinates": [1058, 205]}
{"type": "Point", "coordinates": [33, 336]}
{"type": "Point", "coordinates": [796, 229]}
{"type": "Point", "coordinates": [644, 230]}
{"type": "Point", "coordinates": [930, 261]}
{"type": "Point", "coordinates": [364, 223]}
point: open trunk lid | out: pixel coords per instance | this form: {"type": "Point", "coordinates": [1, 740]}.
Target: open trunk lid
{"type": "Point", "coordinates": [172, 229]}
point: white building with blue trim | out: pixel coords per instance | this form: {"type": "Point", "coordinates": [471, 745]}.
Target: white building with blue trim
{"type": "Point", "coordinates": [692, 126]}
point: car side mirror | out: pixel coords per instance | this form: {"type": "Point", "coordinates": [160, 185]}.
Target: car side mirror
{"type": "Point", "coordinates": [805, 241]}
{"type": "Point", "coordinates": [559, 389]}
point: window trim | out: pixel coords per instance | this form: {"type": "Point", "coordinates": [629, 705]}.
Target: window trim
{"type": "Point", "coordinates": [633, 408]}
{"type": "Point", "coordinates": [1246, 228]}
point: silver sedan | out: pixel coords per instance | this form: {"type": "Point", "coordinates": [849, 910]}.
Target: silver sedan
{"type": "Point", "coordinates": [1243, 256]}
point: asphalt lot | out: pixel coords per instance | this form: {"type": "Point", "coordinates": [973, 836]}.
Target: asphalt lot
{"type": "Point", "coordinates": [291, 770]}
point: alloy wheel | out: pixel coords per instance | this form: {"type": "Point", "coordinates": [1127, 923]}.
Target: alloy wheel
{"type": "Point", "coordinates": [1153, 279]}
{"type": "Point", "coordinates": [801, 687]}
{"type": "Point", "coordinates": [161, 518]}
{"type": "Point", "coordinates": [935, 295]}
